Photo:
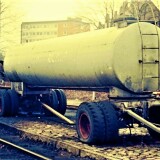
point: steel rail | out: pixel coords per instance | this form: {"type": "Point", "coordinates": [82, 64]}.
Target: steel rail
{"type": "Point", "coordinates": [24, 150]}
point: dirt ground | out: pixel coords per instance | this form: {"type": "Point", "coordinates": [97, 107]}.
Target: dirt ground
{"type": "Point", "coordinates": [85, 95]}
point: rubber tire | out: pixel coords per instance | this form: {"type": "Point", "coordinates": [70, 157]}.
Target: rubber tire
{"type": "Point", "coordinates": [154, 118]}
{"type": "Point", "coordinates": [62, 105]}
{"type": "Point", "coordinates": [14, 101]}
{"type": "Point", "coordinates": [95, 117]}
{"type": "Point", "coordinates": [57, 100]}
{"type": "Point", "coordinates": [5, 103]}
{"type": "Point", "coordinates": [54, 100]}
{"type": "Point", "coordinates": [111, 121]}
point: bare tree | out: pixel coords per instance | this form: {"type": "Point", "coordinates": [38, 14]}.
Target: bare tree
{"type": "Point", "coordinates": [98, 13]}
{"type": "Point", "coordinates": [156, 10]}
{"type": "Point", "coordinates": [143, 10]}
{"type": "Point", "coordinates": [3, 9]}
{"type": "Point", "coordinates": [8, 25]}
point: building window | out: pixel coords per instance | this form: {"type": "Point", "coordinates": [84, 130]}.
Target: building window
{"type": "Point", "coordinates": [65, 33]}
{"type": "Point", "coordinates": [65, 25]}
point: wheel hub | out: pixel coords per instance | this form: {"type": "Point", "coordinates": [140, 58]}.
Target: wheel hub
{"type": "Point", "coordinates": [84, 125]}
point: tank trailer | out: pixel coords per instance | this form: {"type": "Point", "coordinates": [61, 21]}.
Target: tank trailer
{"type": "Point", "coordinates": [124, 62]}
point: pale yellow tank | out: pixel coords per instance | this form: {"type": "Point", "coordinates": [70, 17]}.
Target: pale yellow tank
{"type": "Point", "coordinates": [127, 58]}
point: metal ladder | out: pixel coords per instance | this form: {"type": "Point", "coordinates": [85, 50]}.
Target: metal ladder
{"type": "Point", "coordinates": [150, 57]}
{"type": "Point", "coordinates": [150, 60]}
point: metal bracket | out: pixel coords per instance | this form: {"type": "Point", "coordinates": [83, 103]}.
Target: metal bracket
{"type": "Point", "coordinates": [142, 120]}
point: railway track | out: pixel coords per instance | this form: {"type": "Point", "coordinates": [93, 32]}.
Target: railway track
{"type": "Point", "coordinates": [26, 153]}
{"type": "Point", "coordinates": [15, 147]}
{"type": "Point", "coordinates": [58, 134]}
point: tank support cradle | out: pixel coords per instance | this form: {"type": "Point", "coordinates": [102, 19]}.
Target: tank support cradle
{"type": "Point", "coordinates": [58, 114]}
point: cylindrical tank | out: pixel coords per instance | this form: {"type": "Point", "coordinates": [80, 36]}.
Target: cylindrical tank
{"type": "Point", "coordinates": [97, 59]}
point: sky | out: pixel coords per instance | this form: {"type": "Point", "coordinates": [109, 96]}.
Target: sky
{"type": "Point", "coordinates": [20, 11]}
{"type": "Point", "coordinates": [35, 10]}
{"type": "Point", "coordinates": [52, 9]}
{"type": "Point", "coordinates": [32, 10]}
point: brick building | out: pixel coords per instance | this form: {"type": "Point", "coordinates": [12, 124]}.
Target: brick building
{"type": "Point", "coordinates": [34, 31]}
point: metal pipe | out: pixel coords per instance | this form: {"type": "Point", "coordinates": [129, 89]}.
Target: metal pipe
{"type": "Point", "coordinates": [57, 114]}
{"type": "Point", "coordinates": [147, 123]}
{"type": "Point", "coordinates": [24, 149]}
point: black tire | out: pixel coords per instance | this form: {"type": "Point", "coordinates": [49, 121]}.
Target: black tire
{"type": "Point", "coordinates": [90, 124]}
{"type": "Point", "coordinates": [57, 100]}
{"type": "Point", "coordinates": [54, 100]}
{"type": "Point", "coordinates": [154, 117]}
{"type": "Point", "coordinates": [111, 121]}
{"type": "Point", "coordinates": [62, 105]}
{"type": "Point", "coordinates": [14, 101]}
{"type": "Point", "coordinates": [51, 100]}
{"type": "Point", "coordinates": [5, 103]}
